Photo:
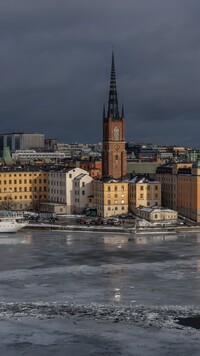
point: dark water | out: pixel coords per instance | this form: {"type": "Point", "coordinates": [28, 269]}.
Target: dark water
{"type": "Point", "coordinates": [85, 268]}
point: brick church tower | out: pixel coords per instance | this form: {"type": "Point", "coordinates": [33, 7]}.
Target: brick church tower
{"type": "Point", "coordinates": [113, 153]}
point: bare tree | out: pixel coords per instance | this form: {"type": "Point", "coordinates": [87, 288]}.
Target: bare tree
{"type": "Point", "coordinates": [8, 203]}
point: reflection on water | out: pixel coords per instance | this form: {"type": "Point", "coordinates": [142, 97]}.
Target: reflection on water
{"type": "Point", "coordinates": [115, 240]}
{"type": "Point", "coordinates": [144, 240]}
{"type": "Point", "coordinates": [117, 295]}
{"type": "Point", "coordinates": [5, 240]}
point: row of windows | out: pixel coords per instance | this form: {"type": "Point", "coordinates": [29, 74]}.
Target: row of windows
{"type": "Point", "coordinates": [115, 202]}
{"type": "Point", "coordinates": [4, 190]}
{"type": "Point", "coordinates": [20, 174]}
{"type": "Point", "coordinates": [26, 197]}
{"type": "Point", "coordinates": [30, 181]}
{"type": "Point", "coordinates": [116, 208]}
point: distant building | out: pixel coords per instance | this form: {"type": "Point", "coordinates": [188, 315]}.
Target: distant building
{"type": "Point", "coordinates": [143, 168]}
{"type": "Point", "coordinates": [21, 141]}
{"type": "Point", "coordinates": [26, 156]}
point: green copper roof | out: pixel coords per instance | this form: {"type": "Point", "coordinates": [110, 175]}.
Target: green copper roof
{"type": "Point", "coordinates": [6, 155]}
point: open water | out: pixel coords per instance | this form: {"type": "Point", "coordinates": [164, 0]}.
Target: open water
{"type": "Point", "coordinates": [79, 293]}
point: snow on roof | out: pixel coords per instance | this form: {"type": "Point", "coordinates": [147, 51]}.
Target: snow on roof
{"type": "Point", "coordinates": [141, 180]}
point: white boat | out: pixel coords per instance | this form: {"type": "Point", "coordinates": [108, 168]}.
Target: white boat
{"type": "Point", "coordinates": [11, 222]}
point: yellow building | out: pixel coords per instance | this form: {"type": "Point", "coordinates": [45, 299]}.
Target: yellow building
{"type": "Point", "coordinates": [22, 189]}
{"type": "Point", "coordinates": [110, 197]}
{"type": "Point", "coordinates": [183, 194]}
{"type": "Point", "coordinates": [144, 192]}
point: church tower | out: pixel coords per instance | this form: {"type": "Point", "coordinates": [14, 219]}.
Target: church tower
{"type": "Point", "coordinates": [113, 153]}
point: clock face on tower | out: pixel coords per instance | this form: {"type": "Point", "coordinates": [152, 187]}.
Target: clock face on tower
{"type": "Point", "coordinates": [116, 147]}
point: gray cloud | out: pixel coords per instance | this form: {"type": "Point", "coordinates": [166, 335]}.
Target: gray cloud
{"type": "Point", "coordinates": [55, 66]}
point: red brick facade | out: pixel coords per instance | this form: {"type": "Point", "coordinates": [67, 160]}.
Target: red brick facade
{"type": "Point", "coordinates": [114, 162]}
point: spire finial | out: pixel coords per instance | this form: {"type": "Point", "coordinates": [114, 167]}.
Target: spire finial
{"type": "Point", "coordinates": [113, 102]}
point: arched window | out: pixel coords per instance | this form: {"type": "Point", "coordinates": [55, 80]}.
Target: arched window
{"type": "Point", "coordinates": [116, 133]}
{"type": "Point", "coordinates": [116, 157]}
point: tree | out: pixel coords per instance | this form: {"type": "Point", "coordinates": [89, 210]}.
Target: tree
{"type": "Point", "coordinates": [8, 203]}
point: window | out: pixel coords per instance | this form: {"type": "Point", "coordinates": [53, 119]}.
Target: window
{"type": "Point", "coordinates": [122, 188]}
{"type": "Point", "coordinates": [83, 184]}
{"type": "Point", "coordinates": [142, 188]}
{"type": "Point", "coordinates": [116, 195]}
{"type": "Point", "coordinates": [116, 133]}
{"type": "Point", "coordinates": [141, 196]}
{"type": "Point", "coordinates": [116, 157]}
{"type": "Point", "coordinates": [108, 189]}
{"type": "Point", "coordinates": [122, 201]}
{"type": "Point", "coordinates": [116, 208]}
{"type": "Point", "coordinates": [83, 192]}
{"type": "Point", "coordinates": [116, 188]}
{"type": "Point", "coordinates": [156, 187]}
{"type": "Point", "coordinates": [109, 202]}
{"type": "Point", "coordinates": [10, 182]}
{"type": "Point", "coordinates": [70, 175]}
{"type": "Point", "coordinates": [4, 182]}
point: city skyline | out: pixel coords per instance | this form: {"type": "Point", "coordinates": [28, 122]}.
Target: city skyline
{"type": "Point", "coordinates": [55, 65]}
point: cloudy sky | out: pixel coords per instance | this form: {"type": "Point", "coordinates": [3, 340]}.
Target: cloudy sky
{"type": "Point", "coordinates": [55, 58]}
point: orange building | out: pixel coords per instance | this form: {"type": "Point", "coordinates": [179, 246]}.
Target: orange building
{"type": "Point", "coordinates": [181, 188]}
{"type": "Point", "coordinates": [94, 168]}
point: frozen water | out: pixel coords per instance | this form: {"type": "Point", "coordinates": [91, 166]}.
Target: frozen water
{"type": "Point", "coordinates": [82, 293]}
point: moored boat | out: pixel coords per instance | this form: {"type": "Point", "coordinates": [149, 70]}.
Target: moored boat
{"type": "Point", "coordinates": [11, 222]}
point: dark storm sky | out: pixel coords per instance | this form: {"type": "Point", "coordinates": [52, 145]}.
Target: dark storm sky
{"type": "Point", "coordinates": [55, 58]}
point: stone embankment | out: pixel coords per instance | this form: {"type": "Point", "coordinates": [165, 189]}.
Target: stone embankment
{"type": "Point", "coordinates": [117, 229]}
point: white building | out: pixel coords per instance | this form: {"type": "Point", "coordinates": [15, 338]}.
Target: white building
{"type": "Point", "coordinates": [69, 189]}
{"type": "Point", "coordinates": [29, 155]}
{"type": "Point", "coordinates": [157, 214]}
{"type": "Point", "coordinates": [82, 185]}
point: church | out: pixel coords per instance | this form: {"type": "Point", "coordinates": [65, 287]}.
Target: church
{"type": "Point", "coordinates": [111, 192]}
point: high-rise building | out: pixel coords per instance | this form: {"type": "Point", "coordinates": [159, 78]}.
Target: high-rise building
{"type": "Point", "coordinates": [113, 153]}
{"type": "Point", "coordinates": [21, 141]}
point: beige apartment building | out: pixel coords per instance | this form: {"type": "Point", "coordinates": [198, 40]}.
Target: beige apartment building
{"type": "Point", "coordinates": [23, 189]}
{"type": "Point", "coordinates": [143, 191]}
{"type": "Point", "coordinates": [110, 197]}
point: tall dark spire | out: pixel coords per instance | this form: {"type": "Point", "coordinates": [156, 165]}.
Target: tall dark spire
{"type": "Point", "coordinates": [113, 102]}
